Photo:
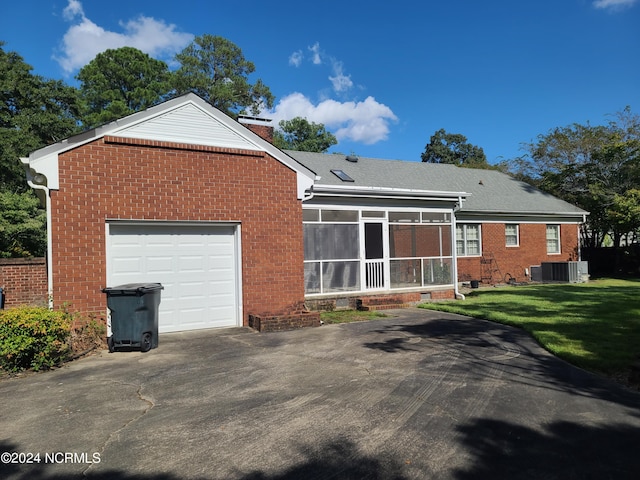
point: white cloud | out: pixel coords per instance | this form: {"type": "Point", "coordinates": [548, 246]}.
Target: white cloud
{"type": "Point", "coordinates": [315, 53]}
{"type": "Point", "coordinates": [84, 39]}
{"type": "Point", "coordinates": [365, 122]}
{"type": "Point", "coordinates": [296, 58]}
{"type": "Point", "coordinates": [72, 9]}
{"type": "Point", "coordinates": [340, 81]}
{"type": "Point", "coordinates": [613, 4]}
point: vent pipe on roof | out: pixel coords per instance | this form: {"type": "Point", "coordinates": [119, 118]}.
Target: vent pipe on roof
{"type": "Point", "coordinates": [351, 158]}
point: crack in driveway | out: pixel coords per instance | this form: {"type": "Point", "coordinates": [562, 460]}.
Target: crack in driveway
{"type": "Point", "coordinates": [110, 437]}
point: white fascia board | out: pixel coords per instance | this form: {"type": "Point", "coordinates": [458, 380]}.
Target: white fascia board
{"type": "Point", "coordinates": [489, 216]}
{"type": "Point", "coordinates": [388, 192]}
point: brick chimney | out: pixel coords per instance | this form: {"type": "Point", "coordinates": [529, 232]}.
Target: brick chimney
{"type": "Point", "coordinates": [259, 126]}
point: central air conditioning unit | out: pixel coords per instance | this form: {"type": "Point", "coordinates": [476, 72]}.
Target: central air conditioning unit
{"type": "Point", "coordinates": [571, 272]}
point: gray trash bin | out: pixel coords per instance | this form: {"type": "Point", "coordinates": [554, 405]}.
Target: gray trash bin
{"type": "Point", "coordinates": [134, 315]}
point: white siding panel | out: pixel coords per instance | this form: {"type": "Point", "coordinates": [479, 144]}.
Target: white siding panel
{"type": "Point", "coordinates": [187, 124]}
{"type": "Point", "coordinates": [197, 267]}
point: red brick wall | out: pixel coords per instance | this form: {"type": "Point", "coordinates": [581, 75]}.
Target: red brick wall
{"type": "Point", "coordinates": [513, 260]}
{"type": "Point", "coordinates": [24, 281]}
{"type": "Point", "coordinates": [136, 179]}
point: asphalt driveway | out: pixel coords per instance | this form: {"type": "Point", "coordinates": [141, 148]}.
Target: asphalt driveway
{"type": "Point", "coordinates": [418, 395]}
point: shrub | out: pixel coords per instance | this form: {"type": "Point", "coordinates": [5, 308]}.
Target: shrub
{"type": "Point", "coordinates": [87, 334]}
{"type": "Point", "coordinates": [33, 337]}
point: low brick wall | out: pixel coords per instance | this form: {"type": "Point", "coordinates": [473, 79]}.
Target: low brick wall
{"type": "Point", "coordinates": [23, 281]}
{"type": "Point", "coordinates": [279, 323]}
{"type": "Point", "coordinates": [377, 301]}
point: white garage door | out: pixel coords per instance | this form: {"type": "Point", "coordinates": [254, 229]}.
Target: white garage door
{"type": "Point", "coordinates": [197, 266]}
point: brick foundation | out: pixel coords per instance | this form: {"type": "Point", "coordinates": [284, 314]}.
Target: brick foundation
{"type": "Point", "coordinates": [377, 302]}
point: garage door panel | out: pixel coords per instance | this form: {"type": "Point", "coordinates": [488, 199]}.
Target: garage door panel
{"type": "Point", "coordinates": [192, 264]}
{"type": "Point", "coordinates": [196, 265]}
{"type": "Point", "coordinates": [157, 265]}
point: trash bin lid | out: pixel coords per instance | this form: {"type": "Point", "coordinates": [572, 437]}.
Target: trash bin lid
{"type": "Point", "coordinates": [133, 288]}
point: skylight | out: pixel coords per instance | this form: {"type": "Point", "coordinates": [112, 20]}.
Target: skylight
{"type": "Point", "coordinates": [342, 176]}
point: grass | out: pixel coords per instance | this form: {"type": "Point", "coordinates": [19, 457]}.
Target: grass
{"type": "Point", "coordinates": [348, 316]}
{"type": "Point", "coordinates": [594, 325]}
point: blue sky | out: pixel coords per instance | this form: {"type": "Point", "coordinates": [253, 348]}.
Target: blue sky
{"type": "Point", "coordinates": [381, 76]}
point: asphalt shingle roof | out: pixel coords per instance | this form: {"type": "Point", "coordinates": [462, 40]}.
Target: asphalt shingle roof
{"type": "Point", "coordinates": [491, 191]}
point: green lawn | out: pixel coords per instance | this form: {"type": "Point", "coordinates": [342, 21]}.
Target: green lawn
{"type": "Point", "coordinates": [594, 325]}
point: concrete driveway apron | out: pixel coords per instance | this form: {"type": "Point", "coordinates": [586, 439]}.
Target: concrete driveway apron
{"type": "Point", "coordinates": [416, 395]}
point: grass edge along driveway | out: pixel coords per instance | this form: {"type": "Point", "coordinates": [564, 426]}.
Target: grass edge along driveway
{"type": "Point", "coordinates": [594, 325]}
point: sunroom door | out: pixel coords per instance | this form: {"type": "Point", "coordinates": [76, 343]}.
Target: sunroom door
{"type": "Point", "coordinates": [375, 248]}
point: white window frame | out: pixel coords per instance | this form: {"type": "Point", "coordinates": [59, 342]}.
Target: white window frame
{"type": "Point", "coordinates": [465, 240]}
{"type": "Point", "coordinates": [508, 235]}
{"type": "Point", "coordinates": [555, 238]}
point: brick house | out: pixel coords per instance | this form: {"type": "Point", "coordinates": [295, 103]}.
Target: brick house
{"type": "Point", "coordinates": [426, 227]}
{"type": "Point", "coordinates": [242, 233]}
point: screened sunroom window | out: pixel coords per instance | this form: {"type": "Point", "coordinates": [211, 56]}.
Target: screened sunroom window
{"type": "Point", "coordinates": [419, 254]}
{"type": "Point", "coordinates": [331, 247]}
{"type": "Point", "coordinates": [352, 250]}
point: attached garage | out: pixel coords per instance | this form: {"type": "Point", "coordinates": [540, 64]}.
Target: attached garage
{"type": "Point", "coordinates": [197, 263]}
{"type": "Point", "coordinates": [183, 195]}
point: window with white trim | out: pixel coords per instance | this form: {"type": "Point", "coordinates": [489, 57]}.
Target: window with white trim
{"type": "Point", "coordinates": [512, 235]}
{"type": "Point", "coordinates": [553, 239]}
{"type": "Point", "coordinates": [468, 242]}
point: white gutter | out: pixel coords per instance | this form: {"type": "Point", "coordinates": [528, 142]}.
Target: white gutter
{"type": "Point", "coordinates": [456, 291]}
{"type": "Point", "coordinates": [368, 191]}
{"type": "Point", "coordinates": [37, 181]}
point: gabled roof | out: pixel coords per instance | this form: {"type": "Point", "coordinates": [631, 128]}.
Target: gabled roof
{"type": "Point", "coordinates": [485, 192]}
{"type": "Point", "coordinates": [187, 119]}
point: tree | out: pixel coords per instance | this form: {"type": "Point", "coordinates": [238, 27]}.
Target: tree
{"type": "Point", "coordinates": [215, 69]}
{"type": "Point", "coordinates": [119, 82]}
{"type": "Point", "coordinates": [22, 225]}
{"type": "Point", "coordinates": [594, 167]}
{"type": "Point", "coordinates": [454, 149]}
{"type": "Point", "coordinates": [625, 212]}
{"type": "Point", "coordinates": [34, 112]}
{"type": "Point", "coordinates": [302, 135]}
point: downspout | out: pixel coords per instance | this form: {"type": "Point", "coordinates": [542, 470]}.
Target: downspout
{"type": "Point", "coordinates": [31, 181]}
{"type": "Point", "coordinates": [308, 196]}
{"type": "Point", "coordinates": [456, 291]}
{"type": "Point", "coordinates": [584, 220]}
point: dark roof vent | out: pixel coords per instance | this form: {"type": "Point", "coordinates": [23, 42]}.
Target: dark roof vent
{"type": "Point", "coordinates": [351, 158]}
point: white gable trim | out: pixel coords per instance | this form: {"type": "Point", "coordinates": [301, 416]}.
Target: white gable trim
{"type": "Point", "coordinates": [186, 119]}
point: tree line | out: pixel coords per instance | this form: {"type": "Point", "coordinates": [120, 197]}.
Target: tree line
{"type": "Point", "coordinates": [36, 111]}
{"type": "Point", "coordinates": [594, 167]}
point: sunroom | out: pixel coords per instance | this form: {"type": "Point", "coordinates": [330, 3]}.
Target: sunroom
{"type": "Point", "coordinates": [375, 248]}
